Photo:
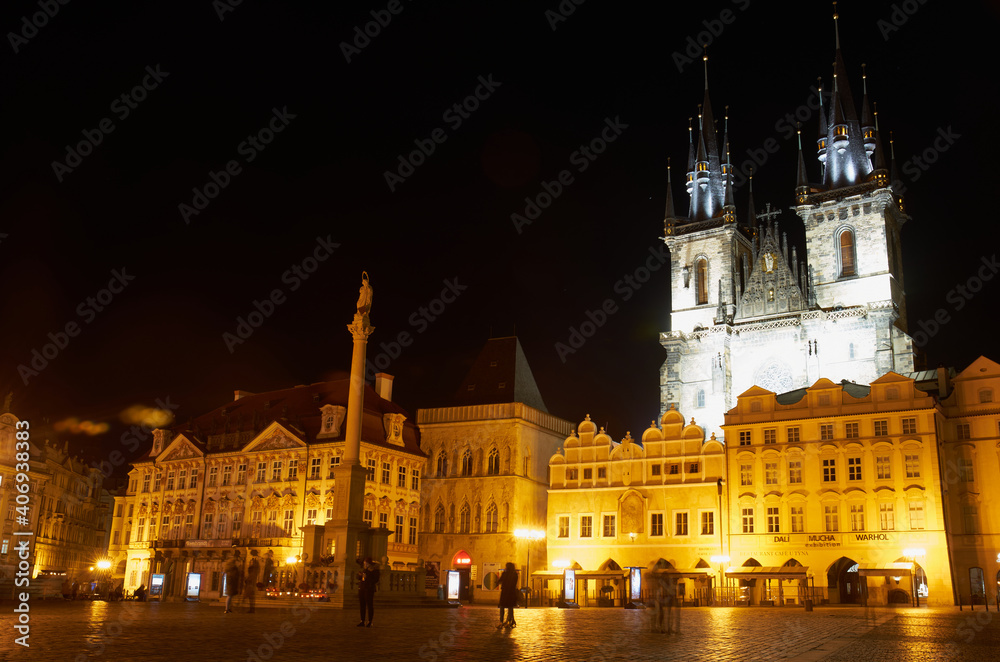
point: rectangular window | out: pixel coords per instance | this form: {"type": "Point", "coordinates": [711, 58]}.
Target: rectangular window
{"type": "Point", "coordinates": [831, 518]}
{"type": "Point", "coordinates": [261, 472]}
{"type": "Point", "coordinates": [237, 523]}
{"type": "Point", "coordinates": [708, 523]}
{"type": "Point", "coordinates": [315, 467]}
{"type": "Point", "coordinates": [744, 437]}
{"type": "Point", "coordinates": [794, 472]}
{"type": "Point", "coordinates": [970, 520]}
{"type": "Point", "coordinates": [157, 480]}
{"type": "Point", "coordinates": [571, 474]}
{"type": "Point", "coordinates": [693, 469]}
{"type": "Point", "coordinates": [588, 474]}
{"type": "Point", "coordinates": [916, 516]}
{"type": "Point", "coordinates": [746, 475]}
{"type": "Point", "coordinates": [412, 537]}
{"type": "Point", "coordinates": [886, 516]}
{"type": "Point", "coordinates": [680, 524]}
{"type": "Point", "coordinates": [213, 476]}
{"type": "Point", "coordinates": [964, 431]}
{"type": "Point", "coordinates": [194, 478]}
{"type": "Point", "coordinates": [170, 480]}
{"type": "Point", "coordinates": [797, 519]}
{"type": "Point", "coordinates": [826, 431]}
{"type": "Point", "coordinates": [368, 515]}
{"type": "Point", "coordinates": [386, 473]}
{"type": "Point", "coordinates": [793, 435]}
{"type": "Point", "coordinates": [141, 530]}
{"type": "Point", "coordinates": [182, 479]}
{"type": "Point", "coordinates": [310, 516]}
{"type": "Point", "coordinates": [399, 528]}
{"type": "Point", "coordinates": [145, 483]}
{"type": "Point", "coordinates": [656, 524]}
{"type": "Point", "coordinates": [241, 473]}
{"type": "Point", "coordinates": [586, 526]}
{"type": "Point", "coordinates": [329, 515]}
{"type": "Point", "coordinates": [117, 537]}
{"type": "Point", "coordinates": [851, 430]}
{"type": "Point", "coordinates": [334, 463]}
{"type": "Point", "coordinates": [602, 472]}
{"type": "Point", "coordinates": [293, 470]}
{"type": "Point", "coordinates": [675, 469]}
{"type": "Point", "coordinates": [854, 468]}
{"type": "Point", "coordinates": [909, 426]}
{"type": "Point", "coordinates": [415, 479]}
{"type": "Point", "coordinates": [881, 428]}
{"type": "Point", "coordinates": [773, 520]}
{"type": "Point", "coordinates": [912, 466]}
{"type": "Point", "coordinates": [401, 477]}
{"type": "Point", "coordinates": [276, 470]}
{"type": "Point", "coordinates": [965, 472]}
{"type": "Point", "coordinates": [206, 525]}
{"type": "Point", "coordinates": [289, 522]}
{"type": "Point", "coordinates": [371, 471]}
{"type": "Point", "coordinates": [770, 473]}
{"type": "Point", "coordinates": [564, 526]}
{"type": "Point", "coordinates": [830, 471]}
{"type": "Point", "coordinates": [188, 526]}
{"type": "Point", "coordinates": [609, 526]}
{"type": "Point", "coordinates": [883, 470]}
{"type": "Point", "coordinates": [656, 468]}
{"type": "Point", "coordinates": [770, 436]}
{"type": "Point", "coordinates": [747, 520]}
{"type": "Point", "coordinates": [857, 517]}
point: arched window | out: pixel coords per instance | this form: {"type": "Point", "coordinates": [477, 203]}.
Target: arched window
{"type": "Point", "coordinates": [701, 398]}
{"type": "Point", "coordinates": [439, 519]}
{"type": "Point", "coordinates": [467, 463]}
{"type": "Point", "coordinates": [850, 351]}
{"type": "Point", "coordinates": [465, 519]}
{"type": "Point", "coordinates": [442, 464]}
{"type": "Point", "coordinates": [701, 281]}
{"type": "Point", "coordinates": [491, 518]}
{"type": "Point", "coordinates": [494, 466]}
{"type": "Point", "coordinates": [847, 262]}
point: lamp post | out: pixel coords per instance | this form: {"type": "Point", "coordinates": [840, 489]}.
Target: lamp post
{"type": "Point", "coordinates": [913, 554]}
{"type": "Point", "coordinates": [292, 560]}
{"type": "Point", "coordinates": [529, 535]}
{"type": "Point", "coordinates": [721, 559]}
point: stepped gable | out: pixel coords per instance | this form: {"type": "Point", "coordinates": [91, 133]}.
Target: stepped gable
{"type": "Point", "coordinates": [771, 288]}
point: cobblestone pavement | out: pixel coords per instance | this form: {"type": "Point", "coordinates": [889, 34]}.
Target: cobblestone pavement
{"type": "Point", "coordinates": [177, 631]}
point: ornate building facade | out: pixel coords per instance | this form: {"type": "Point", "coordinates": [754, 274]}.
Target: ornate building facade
{"type": "Point", "coordinates": [250, 475]}
{"type": "Point", "coordinates": [746, 310]}
{"type": "Point", "coordinates": [68, 510]}
{"type": "Point", "coordinates": [487, 471]}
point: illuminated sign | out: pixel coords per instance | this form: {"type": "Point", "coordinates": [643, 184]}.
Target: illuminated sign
{"type": "Point", "coordinates": [635, 582]}
{"type": "Point", "coordinates": [462, 559]}
{"type": "Point", "coordinates": [453, 585]}
{"type": "Point", "coordinates": [193, 585]}
{"type": "Point", "coordinates": [569, 585]}
{"type": "Point", "coordinates": [156, 585]}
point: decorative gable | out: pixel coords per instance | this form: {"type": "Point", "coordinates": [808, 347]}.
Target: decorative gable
{"type": "Point", "coordinates": [274, 437]}
{"type": "Point", "coordinates": [180, 449]}
{"type": "Point", "coordinates": [772, 287]}
{"type": "Point", "coordinates": [331, 418]}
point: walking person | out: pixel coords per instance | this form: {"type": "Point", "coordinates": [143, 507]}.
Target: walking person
{"type": "Point", "coordinates": [233, 577]}
{"type": "Point", "coordinates": [508, 595]}
{"type": "Point", "coordinates": [250, 590]}
{"type": "Point", "coordinates": [673, 612]}
{"type": "Point", "coordinates": [367, 583]}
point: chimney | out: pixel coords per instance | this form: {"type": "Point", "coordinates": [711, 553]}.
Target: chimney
{"type": "Point", "coordinates": [241, 394]}
{"type": "Point", "coordinates": [383, 385]}
{"type": "Point", "coordinates": [942, 382]}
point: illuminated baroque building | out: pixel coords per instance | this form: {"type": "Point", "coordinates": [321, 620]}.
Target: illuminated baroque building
{"type": "Point", "coordinates": [747, 310]}
{"type": "Point", "coordinates": [252, 474]}
{"type": "Point", "coordinates": [486, 477]}
{"type": "Point", "coordinates": [833, 486]}
{"type": "Point", "coordinates": [653, 503]}
{"type": "Point", "coordinates": [67, 509]}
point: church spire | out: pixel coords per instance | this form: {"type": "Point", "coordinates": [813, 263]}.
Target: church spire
{"type": "Point", "coordinates": [801, 179]}
{"type": "Point", "coordinates": [669, 216]}
{"type": "Point", "coordinates": [752, 215]}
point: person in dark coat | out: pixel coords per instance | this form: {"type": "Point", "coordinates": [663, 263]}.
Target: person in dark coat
{"type": "Point", "coordinates": [367, 583]}
{"type": "Point", "coordinates": [508, 595]}
{"type": "Point", "coordinates": [250, 587]}
{"type": "Point", "coordinates": [233, 576]}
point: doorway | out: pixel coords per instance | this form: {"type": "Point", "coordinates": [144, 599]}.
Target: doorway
{"type": "Point", "coordinates": [843, 581]}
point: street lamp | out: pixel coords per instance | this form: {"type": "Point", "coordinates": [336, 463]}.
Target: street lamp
{"type": "Point", "coordinates": [529, 535]}
{"type": "Point", "coordinates": [912, 554]}
{"type": "Point", "coordinates": [292, 560]}
{"type": "Point", "coordinates": [721, 559]}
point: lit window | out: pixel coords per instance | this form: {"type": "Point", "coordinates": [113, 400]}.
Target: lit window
{"type": "Point", "coordinates": [831, 518]}
{"type": "Point", "coordinates": [747, 520]}
{"type": "Point", "coordinates": [794, 472]}
{"type": "Point", "coordinates": [586, 526]}
{"type": "Point", "coordinates": [680, 524]}
{"type": "Point", "coordinates": [492, 518]}
{"type": "Point", "coordinates": [773, 520]}
{"type": "Point", "coordinates": [708, 523]}
{"type": "Point", "coordinates": [609, 526]}
{"type": "Point", "coordinates": [857, 517]}
{"type": "Point", "coordinates": [770, 473]}
{"type": "Point", "coordinates": [465, 519]}
{"type": "Point", "coordinates": [913, 466]}
{"type": "Point", "coordinates": [746, 475]}
{"type": "Point", "coordinates": [494, 463]}
{"type": "Point", "coordinates": [883, 467]}
{"type": "Point", "coordinates": [847, 267]}
{"type": "Point", "coordinates": [564, 526]}
{"type": "Point", "coordinates": [796, 517]}
{"type": "Point", "coordinates": [886, 516]}
{"type": "Point", "coordinates": [916, 516]}
{"type": "Point", "coordinates": [701, 281]}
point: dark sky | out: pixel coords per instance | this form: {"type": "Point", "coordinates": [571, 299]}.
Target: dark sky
{"type": "Point", "coordinates": [68, 228]}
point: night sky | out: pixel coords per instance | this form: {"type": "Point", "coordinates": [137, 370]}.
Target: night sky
{"type": "Point", "coordinates": [314, 183]}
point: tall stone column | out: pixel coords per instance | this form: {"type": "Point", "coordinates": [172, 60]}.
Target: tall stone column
{"type": "Point", "coordinates": [343, 530]}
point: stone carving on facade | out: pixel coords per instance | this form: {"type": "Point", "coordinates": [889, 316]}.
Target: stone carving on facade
{"type": "Point", "coordinates": [633, 519]}
{"type": "Point", "coordinates": [182, 452]}
{"type": "Point", "coordinates": [272, 501]}
{"type": "Point", "coordinates": [393, 424]}
{"type": "Point", "coordinates": [277, 441]}
{"type": "Point", "coordinates": [331, 417]}
{"type": "Point", "coordinates": [312, 500]}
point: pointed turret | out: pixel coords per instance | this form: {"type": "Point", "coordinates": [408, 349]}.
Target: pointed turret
{"type": "Point", "coordinates": [880, 174]}
{"type": "Point", "coordinates": [867, 123]}
{"type": "Point", "coordinates": [824, 130]}
{"type": "Point", "coordinates": [895, 181]}
{"type": "Point", "coordinates": [801, 179]}
{"type": "Point", "coordinates": [752, 212]}
{"type": "Point", "coordinates": [669, 216]}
